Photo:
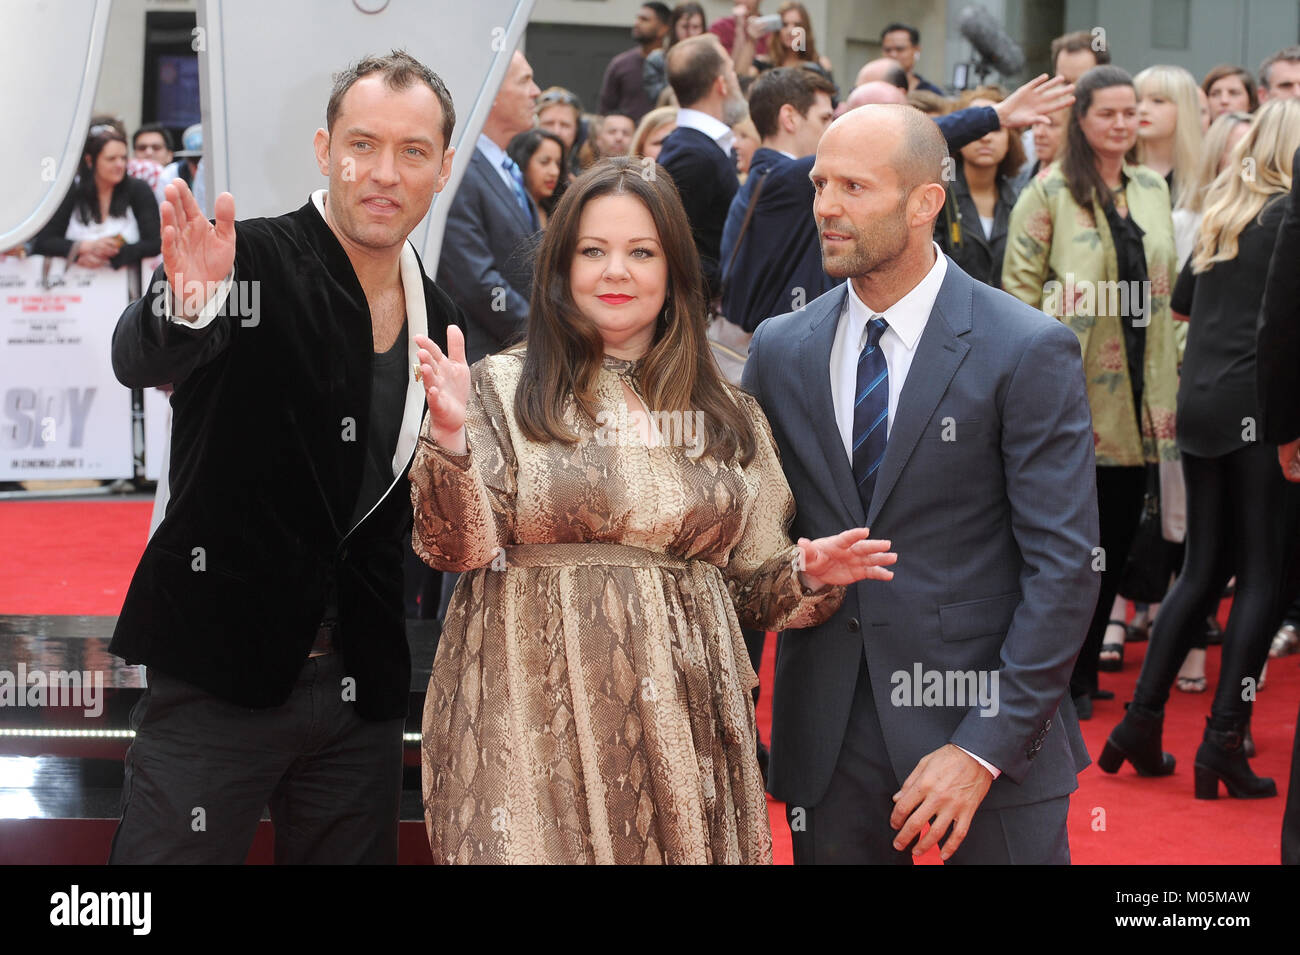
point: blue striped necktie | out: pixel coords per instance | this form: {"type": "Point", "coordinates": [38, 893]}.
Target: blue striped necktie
{"type": "Point", "coordinates": [870, 412]}
{"type": "Point", "coordinates": [521, 197]}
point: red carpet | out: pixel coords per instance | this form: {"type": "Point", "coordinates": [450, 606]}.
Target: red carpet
{"type": "Point", "coordinates": [69, 557]}
{"type": "Point", "coordinates": [77, 558]}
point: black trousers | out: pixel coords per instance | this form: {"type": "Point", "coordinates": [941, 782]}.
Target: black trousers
{"type": "Point", "coordinates": [850, 826]}
{"type": "Point", "coordinates": [1241, 516]}
{"type": "Point", "coordinates": [201, 770]}
{"type": "Point", "coordinates": [1119, 508]}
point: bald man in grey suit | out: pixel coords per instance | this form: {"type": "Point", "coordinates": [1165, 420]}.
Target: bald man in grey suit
{"type": "Point", "coordinates": [951, 419]}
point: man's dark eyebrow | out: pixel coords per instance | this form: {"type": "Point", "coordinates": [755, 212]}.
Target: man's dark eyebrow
{"type": "Point", "coordinates": [367, 134]}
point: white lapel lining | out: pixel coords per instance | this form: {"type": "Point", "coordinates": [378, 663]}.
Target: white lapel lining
{"type": "Point", "coordinates": [417, 323]}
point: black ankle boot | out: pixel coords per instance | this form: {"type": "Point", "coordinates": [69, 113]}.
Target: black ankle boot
{"type": "Point", "coordinates": [1137, 739]}
{"type": "Point", "coordinates": [1221, 756]}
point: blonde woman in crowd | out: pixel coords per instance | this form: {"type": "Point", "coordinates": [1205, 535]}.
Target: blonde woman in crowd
{"type": "Point", "coordinates": [652, 131]}
{"type": "Point", "coordinates": [1169, 124]}
{"type": "Point", "coordinates": [745, 141]}
{"type": "Point", "coordinates": [1241, 514]}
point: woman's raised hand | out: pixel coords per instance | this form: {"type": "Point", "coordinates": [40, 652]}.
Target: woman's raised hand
{"type": "Point", "coordinates": [446, 388]}
{"type": "Point", "coordinates": [197, 254]}
{"type": "Point", "coordinates": [845, 558]}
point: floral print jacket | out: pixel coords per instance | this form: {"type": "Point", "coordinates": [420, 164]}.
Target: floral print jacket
{"type": "Point", "coordinates": [1061, 258]}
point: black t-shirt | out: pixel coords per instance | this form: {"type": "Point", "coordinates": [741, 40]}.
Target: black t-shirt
{"type": "Point", "coordinates": [387, 400]}
{"type": "Point", "coordinates": [388, 372]}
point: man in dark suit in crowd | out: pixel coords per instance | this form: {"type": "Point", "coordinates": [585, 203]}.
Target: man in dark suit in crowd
{"type": "Point", "coordinates": [486, 263]}
{"type": "Point", "coordinates": [268, 604]}
{"type": "Point", "coordinates": [1278, 357]}
{"type": "Point", "coordinates": [790, 108]}
{"type": "Point", "coordinates": [697, 154]}
{"type": "Point", "coordinates": [952, 420]}
{"type": "Point", "coordinates": [622, 90]}
{"type": "Point", "coordinates": [778, 267]}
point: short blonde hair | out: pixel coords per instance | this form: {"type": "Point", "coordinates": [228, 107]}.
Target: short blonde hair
{"type": "Point", "coordinates": [650, 122]}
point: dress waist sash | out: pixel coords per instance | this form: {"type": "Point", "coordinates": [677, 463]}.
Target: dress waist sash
{"type": "Point", "coordinates": [596, 552]}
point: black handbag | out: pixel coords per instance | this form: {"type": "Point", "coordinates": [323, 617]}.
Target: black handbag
{"type": "Point", "coordinates": [1151, 559]}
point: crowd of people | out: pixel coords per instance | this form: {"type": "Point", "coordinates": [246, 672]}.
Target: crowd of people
{"type": "Point", "coordinates": [1141, 211]}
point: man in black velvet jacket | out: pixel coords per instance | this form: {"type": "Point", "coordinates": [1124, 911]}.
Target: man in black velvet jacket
{"type": "Point", "coordinates": [268, 605]}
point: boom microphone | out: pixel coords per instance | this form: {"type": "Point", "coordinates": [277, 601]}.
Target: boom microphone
{"type": "Point", "coordinates": [996, 50]}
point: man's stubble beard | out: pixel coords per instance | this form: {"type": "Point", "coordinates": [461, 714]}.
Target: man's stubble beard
{"type": "Point", "coordinates": [869, 255]}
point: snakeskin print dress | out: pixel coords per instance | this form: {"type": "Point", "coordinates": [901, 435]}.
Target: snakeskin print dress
{"type": "Point", "coordinates": [590, 699]}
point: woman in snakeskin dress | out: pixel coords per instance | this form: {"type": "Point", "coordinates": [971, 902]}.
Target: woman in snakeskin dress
{"type": "Point", "coordinates": [619, 512]}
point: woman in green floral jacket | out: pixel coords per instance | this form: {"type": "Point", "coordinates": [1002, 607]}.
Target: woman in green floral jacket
{"type": "Point", "coordinates": [1092, 243]}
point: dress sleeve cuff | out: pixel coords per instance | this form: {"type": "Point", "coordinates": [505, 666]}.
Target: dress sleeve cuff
{"type": "Point", "coordinates": [457, 459]}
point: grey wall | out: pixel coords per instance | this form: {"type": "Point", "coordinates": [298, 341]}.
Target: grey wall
{"type": "Point", "coordinates": [1242, 32]}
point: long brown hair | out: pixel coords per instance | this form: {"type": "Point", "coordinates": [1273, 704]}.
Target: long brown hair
{"type": "Point", "coordinates": [809, 52]}
{"type": "Point", "coordinates": [565, 349]}
{"type": "Point", "coordinates": [1079, 162]}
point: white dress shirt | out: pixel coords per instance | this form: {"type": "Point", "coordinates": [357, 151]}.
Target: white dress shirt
{"type": "Point", "coordinates": [496, 156]}
{"type": "Point", "coordinates": [710, 126]}
{"type": "Point", "coordinates": [906, 319]}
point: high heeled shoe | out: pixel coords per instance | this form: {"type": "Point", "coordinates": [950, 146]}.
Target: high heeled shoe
{"type": "Point", "coordinates": [1221, 756]}
{"type": "Point", "coordinates": [1137, 739]}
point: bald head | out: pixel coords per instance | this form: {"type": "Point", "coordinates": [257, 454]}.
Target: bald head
{"type": "Point", "coordinates": [884, 70]}
{"type": "Point", "coordinates": [874, 93]}
{"type": "Point", "coordinates": [918, 148]}
{"type": "Point", "coordinates": [877, 190]}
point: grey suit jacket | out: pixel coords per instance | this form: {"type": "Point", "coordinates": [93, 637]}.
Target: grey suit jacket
{"type": "Point", "coordinates": [486, 264]}
{"type": "Point", "coordinates": [988, 493]}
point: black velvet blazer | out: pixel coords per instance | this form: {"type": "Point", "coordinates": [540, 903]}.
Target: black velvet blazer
{"type": "Point", "coordinates": [270, 418]}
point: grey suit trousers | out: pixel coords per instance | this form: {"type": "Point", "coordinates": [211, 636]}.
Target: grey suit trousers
{"type": "Point", "coordinates": [851, 823]}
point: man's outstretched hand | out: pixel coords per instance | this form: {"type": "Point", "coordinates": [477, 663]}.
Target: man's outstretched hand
{"type": "Point", "coordinates": [1035, 101]}
{"type": "Point", "coordinates": [197, 254]}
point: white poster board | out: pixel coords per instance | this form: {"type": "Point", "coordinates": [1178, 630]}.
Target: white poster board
{"type": "Point", "coordinates": [64, 416]}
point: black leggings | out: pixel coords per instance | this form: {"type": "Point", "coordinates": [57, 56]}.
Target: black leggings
{"type": "Point", "coordinates": [1119, 508]}
{"type": "Point", "coordinates": [1241, 517]}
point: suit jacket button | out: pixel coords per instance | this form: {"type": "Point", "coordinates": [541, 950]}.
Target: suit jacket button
{"type": "Point", "coordinates": [854, 626]}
